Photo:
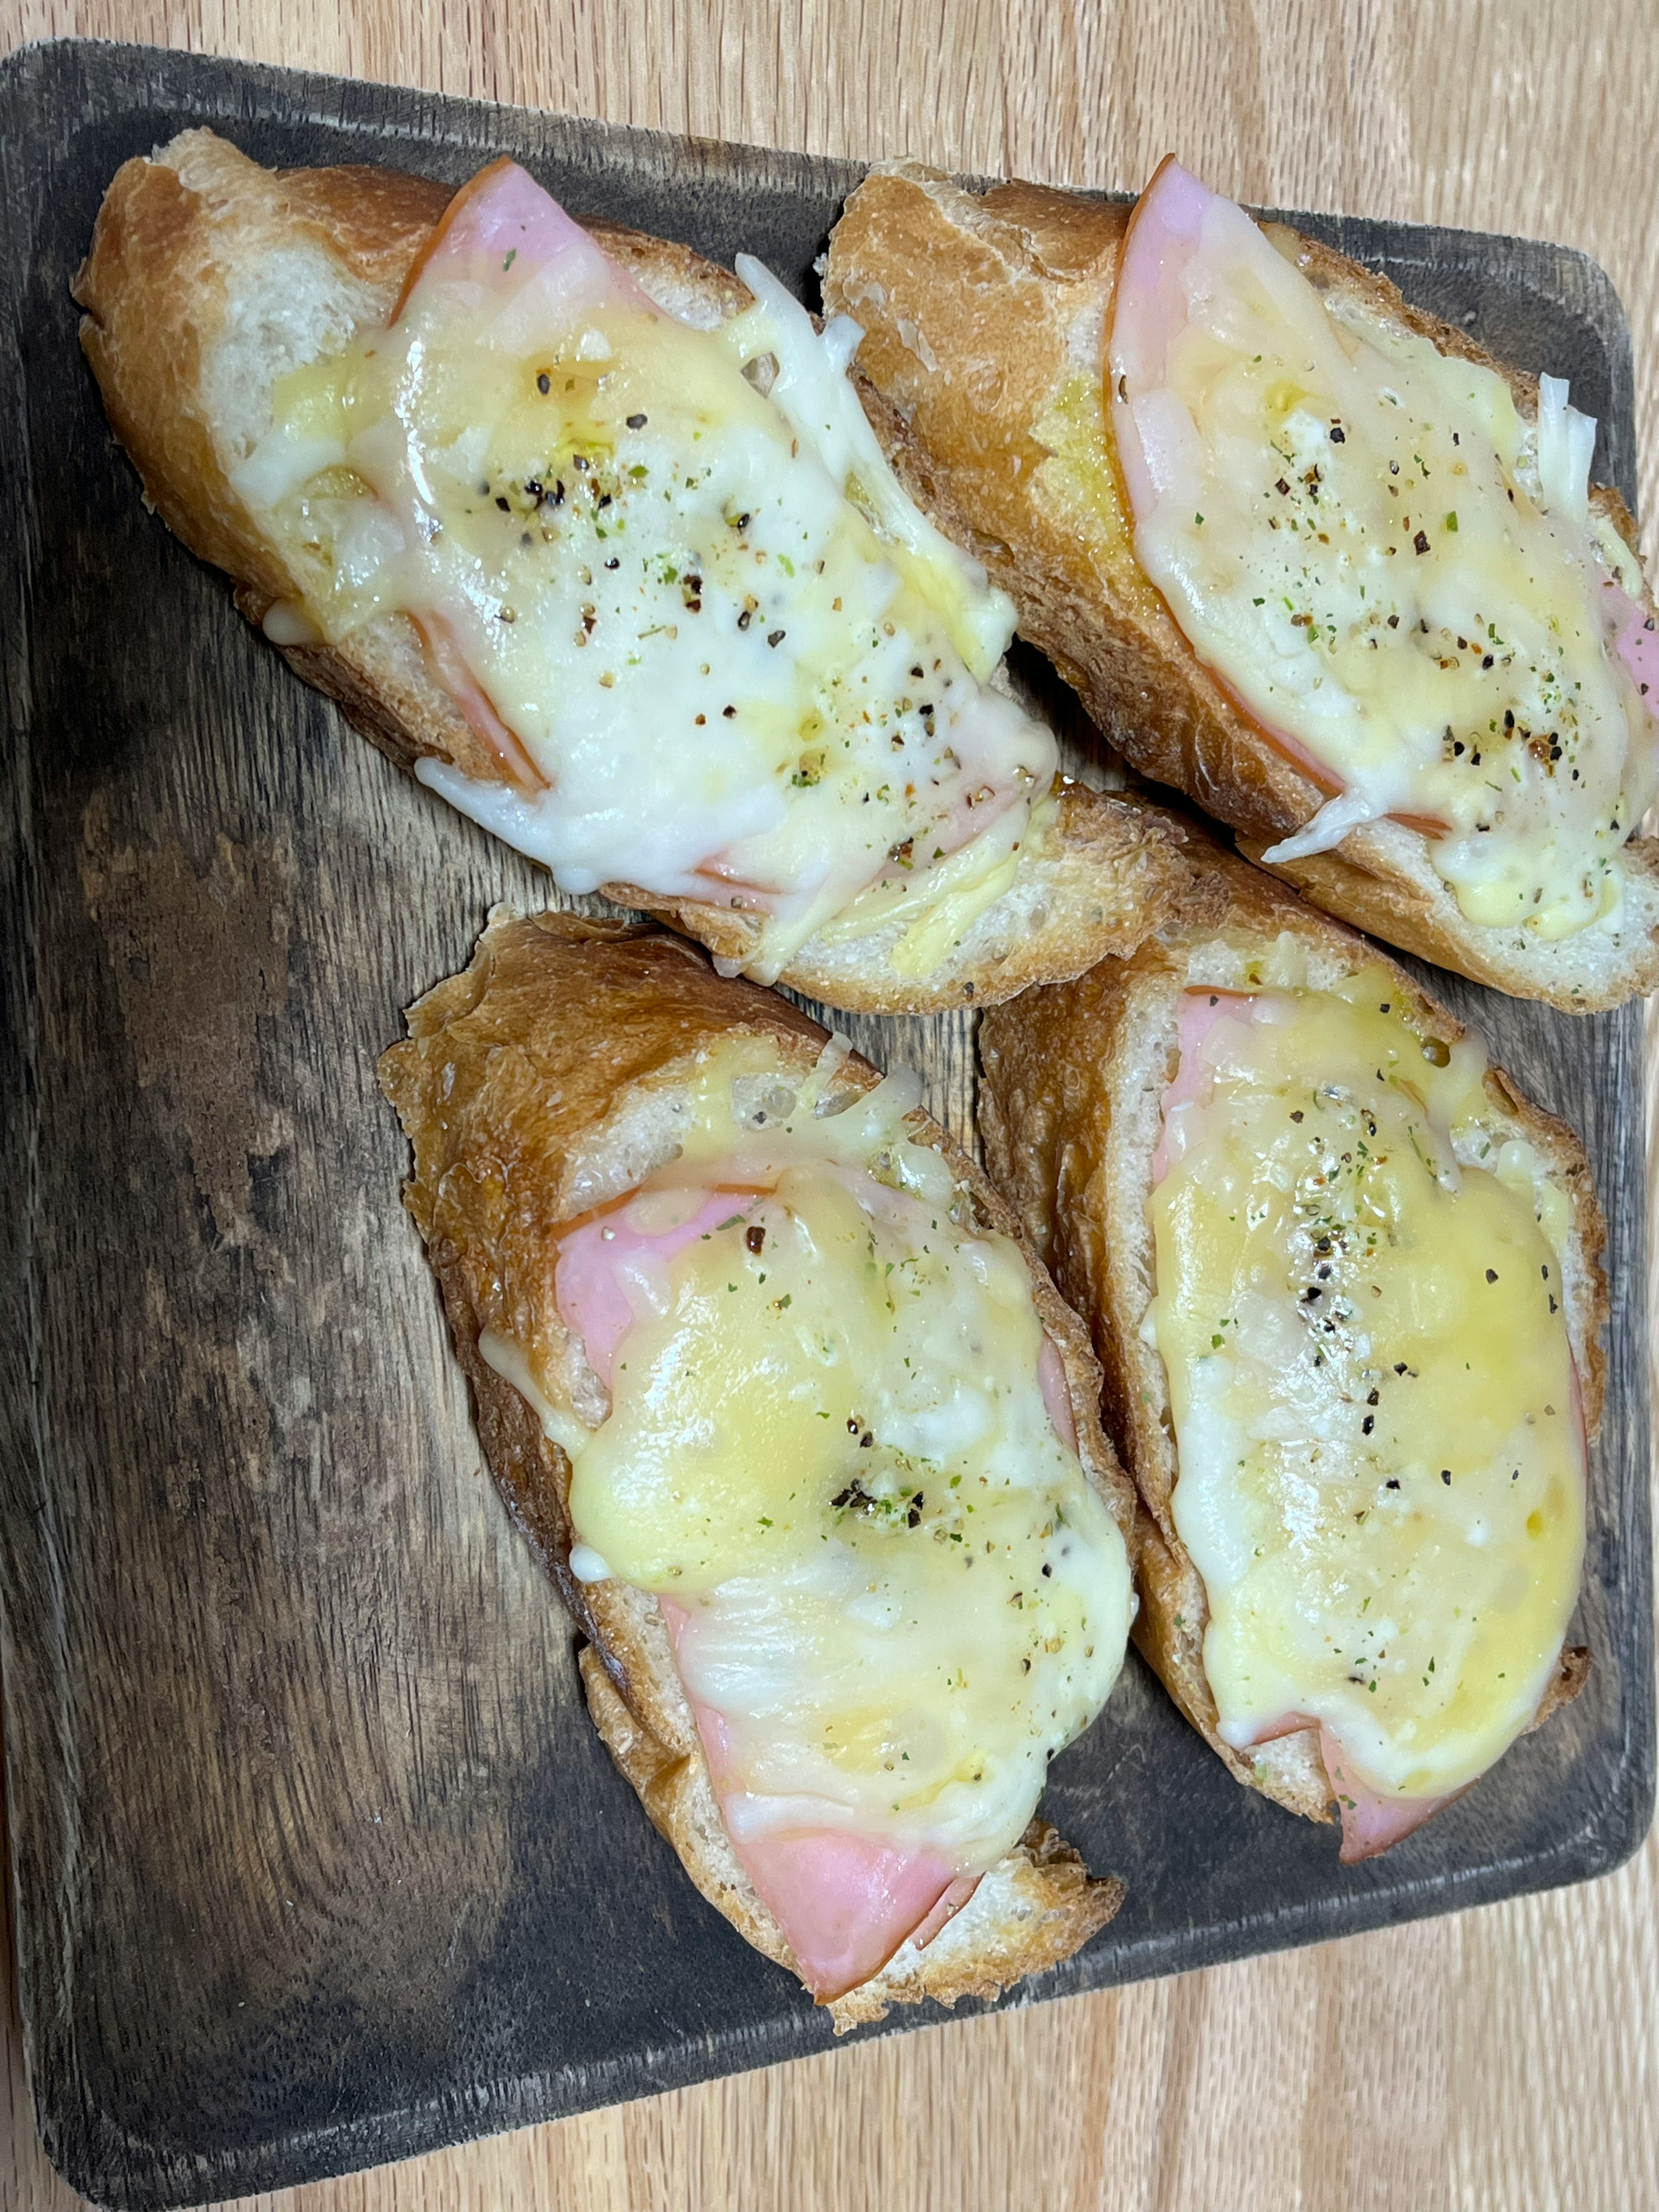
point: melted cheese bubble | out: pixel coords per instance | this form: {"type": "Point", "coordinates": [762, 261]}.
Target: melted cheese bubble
{"type": "Point", "coordinates": [1360, 1311]}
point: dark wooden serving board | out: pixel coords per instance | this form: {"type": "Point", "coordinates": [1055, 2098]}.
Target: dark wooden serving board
{"type": "Point", "coordinates": [317, 1861]}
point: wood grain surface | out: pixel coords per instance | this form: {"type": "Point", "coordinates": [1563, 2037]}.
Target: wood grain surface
{"type": "Point", "coordinates": [1509, 2058]}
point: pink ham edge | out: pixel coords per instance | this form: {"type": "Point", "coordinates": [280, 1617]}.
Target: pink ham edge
{"type": "Point", "coordinates": [595, 1263]}
{"type": "Point", "coordinates": [1371, 1821]}
{"type": "Point", "coordinates": [1636, 640]}
{"type": "Point", "coordinates": [505, 236]}
{"type": "Point", "coordinates": [846, 1902]}
{"type": "Point", "coordinates": [449, 664]}
{"type": "Point", "coordinates": [1149, 309]}
{"type": "Point", "coordinates": [1056, 1393]}
{"type": "Point", "coordinates": [1198, 1014]}
{"type": "Point", "coordinates": [503, 232]}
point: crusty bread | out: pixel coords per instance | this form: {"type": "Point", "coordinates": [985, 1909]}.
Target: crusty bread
{"type": "Point", "coordinates": [1070, 1108]}
{"type": "Point", "coordinates": [209, 278]}
{"type": "Point", "coordinates": [985, 319]}
{"type": "Point", "coordinates": [545, 1079]}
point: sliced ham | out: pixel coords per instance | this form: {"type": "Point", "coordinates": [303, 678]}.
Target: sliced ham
{"type": "Point", "coordinates": [1636, 643]}
{"type": "Point", "coordinates": [845, 1901]}
{"type": "Point", "coordinates": [504, 250]}
{"type": "Point", "coordinates": [1371, 1820]}
{"type": "Point", "coordinates": [1199, 1013]}
{"type": "Point", "coordinates": [1176, 219]}
{"type": "Point", "coordinates": [610, 1271]}
{"type": "Point", "coordinates": [509, 242]}
{"type": "Point", "coordinates": [449, 664]}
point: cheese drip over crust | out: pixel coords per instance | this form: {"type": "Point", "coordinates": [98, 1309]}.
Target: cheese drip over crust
{"type": "Point", "coordinates": [1399, 578]}
{"type": "Point", "coordinates": [716, 651]}
{"type": "Point", "coordinates": [833, 1446]}
{"type": "Point", "coordinates": [1381, 1451]}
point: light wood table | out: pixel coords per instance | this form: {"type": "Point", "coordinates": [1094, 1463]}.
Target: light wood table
{"type": "Point", "coordinates": [1502, 2060]}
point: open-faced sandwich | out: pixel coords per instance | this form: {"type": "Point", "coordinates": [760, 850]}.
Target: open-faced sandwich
{"type": "Point", "coordinates": [596, 539]}
{"type": "Point", "coordinates": [804, 1436]}
{"type": "Point", "coordinates": [1308, 555]}
{"type": "Point", "coordinates": [1345, 1285]}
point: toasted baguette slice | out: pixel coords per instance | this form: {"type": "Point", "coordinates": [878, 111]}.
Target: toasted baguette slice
{"type": "Point", "coordinates": [562, 1058]}
{"type": "Point", "coordinates": [985, 318]}
{"type": "Point", "coordinates": [210, 278]}
{"type": "Point", "coordinates": [1070, 1111]}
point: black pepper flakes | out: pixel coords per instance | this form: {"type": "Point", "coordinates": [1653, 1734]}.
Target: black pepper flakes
{"type": "Point", "coordinates": [636, 422]}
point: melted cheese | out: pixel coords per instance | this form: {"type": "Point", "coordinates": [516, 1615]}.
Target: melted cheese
{"type": "Point", "coordinates": [1389, 567]}
{"type": "Point", "coordinates": [739, 664]}
{"type": "Point", "coordinates": [1381, 1477]}
{"type": "Point", "coordinates": [827, 1441]}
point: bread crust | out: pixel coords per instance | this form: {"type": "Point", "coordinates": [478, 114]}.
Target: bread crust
{"type": "Point", "coordinates": [1070, 1112]}
{"type": "Point", "coordinates": [985, 318]}
{"type": "Point", "coordinates": [517, 1075]}
{"type": "Point", "coordinates": [179, 241]}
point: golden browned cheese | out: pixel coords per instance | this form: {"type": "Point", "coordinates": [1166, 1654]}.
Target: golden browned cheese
{"type": "Point", "coordinates": [985, 319]}
{"type": "Point", "coordinates": [515, 1076]}
{"type": "Point", "coordinates": [1070, 1111]}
